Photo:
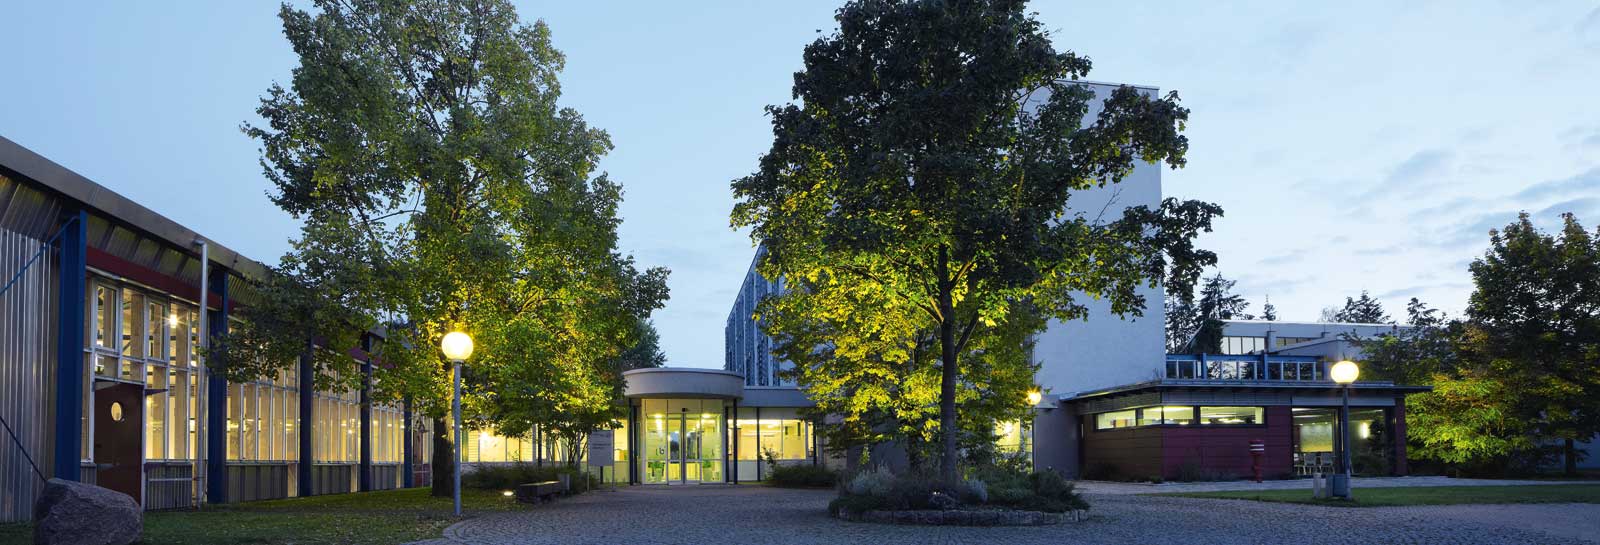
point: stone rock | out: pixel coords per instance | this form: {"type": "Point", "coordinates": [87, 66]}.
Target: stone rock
{"type": "Point", "coordinates": [74, 513]}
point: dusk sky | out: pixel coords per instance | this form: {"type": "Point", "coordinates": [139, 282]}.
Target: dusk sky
{"type": "Point", "coordinates": [1353, 147]}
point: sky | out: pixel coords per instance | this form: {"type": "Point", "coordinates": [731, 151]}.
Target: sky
{"type": "Point", "coordinates": [1354, 146]}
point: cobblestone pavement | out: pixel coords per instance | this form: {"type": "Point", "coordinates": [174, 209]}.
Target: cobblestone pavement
{"type": "Point", "coordinates": [1105, 487]}
{"type": "Point", "coordinates": [752, 515]}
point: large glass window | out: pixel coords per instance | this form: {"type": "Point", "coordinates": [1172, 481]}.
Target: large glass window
{"type": "Point", "coordinates": [1116, 419]}
{"type": "Point", "coordinates": [1231, 415]}
{"type": "Point", "coordinates": [1173, 415]}
{"type": "Point", "coordinates": [337, 437]}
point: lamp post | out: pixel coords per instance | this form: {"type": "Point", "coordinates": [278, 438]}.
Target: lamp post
{"type": "Point", "coordinates": [1344, 373]}
{"type": "Point", "coordinates": [457, 347]}
{"type": "Point", "coordinates": [1034, 397]}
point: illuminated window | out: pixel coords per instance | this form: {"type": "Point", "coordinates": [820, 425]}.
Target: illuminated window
{"type": "Point", "coordinates": [1231, 415]}
{"type": "Point", "coordinates": [1116, 419]}
{"type": "Point", "coordinates": [1170, 415]}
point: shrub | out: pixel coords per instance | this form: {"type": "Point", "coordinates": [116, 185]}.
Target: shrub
{"type": "Point", "coordinates": [989, 486]}
{"type": "Point", "coordinates": [977, 491]}
{"type": "Point", "coordinates": [875, 483]}
{"type": "Point", "coordinates": [856, 504]}
{"type": "Point", "coordinates": [802, 476]}
{"type": "Point", "coordinates": [507, 477]}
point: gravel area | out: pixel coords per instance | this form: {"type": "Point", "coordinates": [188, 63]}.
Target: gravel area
{"type": "Point", "coordinates": [758, 515]}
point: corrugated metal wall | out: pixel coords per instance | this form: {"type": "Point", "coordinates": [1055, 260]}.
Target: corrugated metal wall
{"type": "Point", "coordinates": [27, 344]}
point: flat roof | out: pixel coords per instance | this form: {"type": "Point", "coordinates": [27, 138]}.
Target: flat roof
{"type": "Point", "coordinates": [71, 185]}
{"type": "Point", "coordinates": [1244, 385]}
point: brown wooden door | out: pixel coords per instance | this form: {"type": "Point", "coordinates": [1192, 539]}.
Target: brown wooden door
{"type": "Point", "coordinates": [118, 437]}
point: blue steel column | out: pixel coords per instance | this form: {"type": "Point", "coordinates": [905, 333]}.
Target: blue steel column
{"type": "Point", "coordinates": [217, 400]}
{"type": "Point", "coordinates": [74, 275]}
{"type": "Point", "coordinates": [308, 427]}
{"type": "Point", "coordinates": [405, 445]}
{"type": "Point", "coordinates": [365, 479]}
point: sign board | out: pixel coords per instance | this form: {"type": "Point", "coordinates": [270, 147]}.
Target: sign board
{"type": "Point", "coordinates": [601, 445]}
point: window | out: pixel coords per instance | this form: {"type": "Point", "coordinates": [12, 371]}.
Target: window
{"type": "Point", "coordinates": [486, 446]}
{"type": "Point", "coordinates": [334, 413]}
{"type": "Point", "coordinates": [1243, 345]}
{"type": "Point", "coordinates": [1156, 416]}
{"type": "Point", "coordinates": [1117, 419]}
{"type": "Point", "coordinates": [1013, 437]}
{"type": "Point", "coordinates": [1286, 341]}
{"type": "Point", "coordinates": [1231, 415]}
{"type": "Point", "coordinates": [781, 431]}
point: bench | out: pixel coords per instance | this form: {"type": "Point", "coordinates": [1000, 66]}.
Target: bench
{"type": "Point", "coordinates": [537, 492]}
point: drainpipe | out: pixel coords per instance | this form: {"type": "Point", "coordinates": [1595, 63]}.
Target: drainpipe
{"type": "Point", "coordinates": [201, 375]}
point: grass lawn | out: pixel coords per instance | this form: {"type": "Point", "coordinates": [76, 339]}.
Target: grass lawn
{"type": "Point", "coordinates": [1422, 495]}
{"type": "Point", "coordinates": [387, 517]}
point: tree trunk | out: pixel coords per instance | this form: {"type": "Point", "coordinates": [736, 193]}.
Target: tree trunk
{"type": "Point", "coordinates": [443, 460]}
{"type": "Point", "coordinates": [1571, 456]}
{"type": "Point", "coordinates": [947, 387]}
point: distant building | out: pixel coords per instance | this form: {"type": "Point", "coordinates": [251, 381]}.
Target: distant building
{"type": "Point", "coordinates": [748, 351]}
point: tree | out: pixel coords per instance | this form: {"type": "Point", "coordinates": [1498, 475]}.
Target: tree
{"type": "Point", "coordinates": [1365, 310]}
{"type": "Point", "coordinates": [439, 181]}
{"type": "Point", "coordinates": [1268, 312]}
{"type": "Point", "coordinates": [1537, 311]}
{"type": "Point", "coordinates": [1415, 354]}
{"type": "Point", "coordinates": [1183, 321]}
{"type": "Point", "coordinates": [1217, 303]}
{"type": "Point", "coordinates": [646, 352]}
{"type": "Point", "coordinates": [920, 187]}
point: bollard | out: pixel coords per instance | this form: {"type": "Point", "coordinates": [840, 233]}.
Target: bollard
{"type": "Point", "coordinates": [1258, 449]}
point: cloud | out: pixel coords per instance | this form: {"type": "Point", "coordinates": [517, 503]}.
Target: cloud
{"type": "Point", "coordinates": [1475, 231]}
{"type": "Point", "coordinates": [1445, 209]}
{"type": "Point", "coordinates": [1414, 291]}
{"type": "Point", "coordinates": [1381, 251]}
{"type": "Point", "coordinates": [1585, 183]}
{"type": "Point", "coordinates": [1285, 258]}
{"type": "Point", "coordinates": [1408, 177]}
{"type": "Point", "coordinates": [1589, 30]}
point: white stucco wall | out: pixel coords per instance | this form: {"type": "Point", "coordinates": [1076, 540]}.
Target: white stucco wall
{"type": "Point", "coordinates": [1106, 350]}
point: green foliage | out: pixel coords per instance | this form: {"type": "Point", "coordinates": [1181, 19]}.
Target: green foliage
{"type": "Point", "coordinates": [1365, 310]}
{"type": "Point", "coordinates": [802, 476]}
{"type": "Point", "coordinates": [443, 187]}
{"type": "Point", "coordinates": [508, 477]}
{"type": "Point", "coordinates": [915, 200]}
{"type": "Point", "coordinates": [646, 351]}
{"type": "Point", "coordinates": [984, 487]}
{"type": "Point", "coordinates": [1217, 303]}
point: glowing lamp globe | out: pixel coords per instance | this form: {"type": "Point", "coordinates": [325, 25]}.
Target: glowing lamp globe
{"type": "Point", "coordinates": [1034, 397]}
{"type": "Point", "coordinates": [1344, 372]}
{"type": "Point", "coordinates": [457, 346]}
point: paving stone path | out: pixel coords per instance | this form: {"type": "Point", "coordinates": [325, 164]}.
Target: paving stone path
{"type": "Point", "coordinates": [753, 515]}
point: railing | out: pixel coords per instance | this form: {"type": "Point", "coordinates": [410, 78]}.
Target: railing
{"type": "Point", "coordinates": [1247, 367]}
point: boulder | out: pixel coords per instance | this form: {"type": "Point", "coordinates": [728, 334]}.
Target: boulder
{"type": "Point", "coordinates": [74, 513]}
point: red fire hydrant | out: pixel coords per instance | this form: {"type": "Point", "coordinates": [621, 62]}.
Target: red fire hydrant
{"type": "Point", "coordinates": [1258, 448]}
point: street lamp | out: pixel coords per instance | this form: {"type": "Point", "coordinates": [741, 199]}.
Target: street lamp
{"type": "Point", "coordinates": [457, 347]}
{"type": "Point", "coordinates": [1034, 397]}
{"type": "Point", "coordinates": [1344, 373]}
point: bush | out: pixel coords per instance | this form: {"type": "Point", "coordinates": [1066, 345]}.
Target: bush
{"type": "Point", "coordinates": [870, 483]}
{"type": "Point", "coordinates": [802, 476]}
{"type": "Point", "coordinates": [990, 486]}
{"type": "Point", "coordinates": [507, 477]}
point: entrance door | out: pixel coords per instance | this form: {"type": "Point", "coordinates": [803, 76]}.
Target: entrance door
{"type": "Point", "coordinates": [118, 427]}
{"type": "Point", "coordinates": [682, 441]}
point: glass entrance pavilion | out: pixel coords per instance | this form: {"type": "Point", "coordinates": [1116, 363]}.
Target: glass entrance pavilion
{"type": "Point", "coordinates": [691, 426]}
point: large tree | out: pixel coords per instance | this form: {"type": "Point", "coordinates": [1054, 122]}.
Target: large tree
{"type": "Point", "coordinates": [1363, 310]}
{"type": "Point", "coordinates": [1217, 303]}
{"type": "Point", "coordinates": [920, 185]}
{"type": "Point", "coordinates": [1536, 312]}
{"type": "Point", "coordinates": [423, 145]}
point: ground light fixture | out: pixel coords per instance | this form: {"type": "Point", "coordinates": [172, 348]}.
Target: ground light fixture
{"type": "Point", "coordinates": [1343, 373]}
{"type": "Point", "coordinates": [457, 347]}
